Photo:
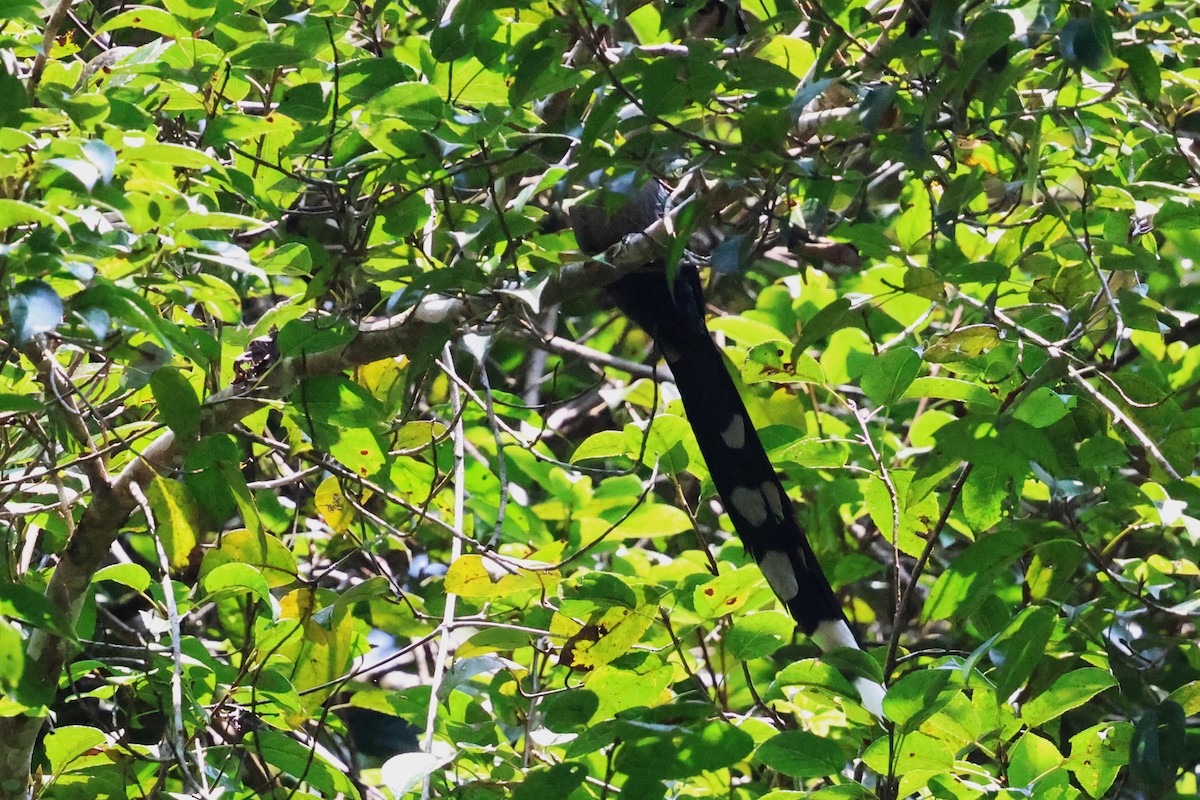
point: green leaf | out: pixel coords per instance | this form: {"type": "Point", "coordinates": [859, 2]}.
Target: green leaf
{"type": "Point", "coordinates": [418, 104]}
{"type": "Point", "coordinates": [830, 318]}
{"type": "Point", "coordinates": [1188, 697]}
{"type": "Point", "coordinates": [983, 496]}
{"type": "Point", "coordinates": [177, 401]}
{"type": "Point", "coordinates": [35, 308]}
{"type": "Point", "coordinates": [916, 516]}
{"type": "Point", "coordinates": [24, 10]}
{"type": "Point", "coordinates": [300, 762]}
{"type": "Point", "coordinates": [134, 576]}
{"type": "Point", "coordinates": [962, 344]}
{"type": "Point", "coordinates": [319, 643]}
{"type": "Point", "coordinates": [605, 638]}
{"type": "Point", "coordinates": [602, 590]}
{"type": "Point", "coordinates": [852, 662]}
{"type": "Point", "coordinates": [1043, 407]}
{"type": "Point", "coordinates": [292, 258]}
{"type": "Point", "coordinates": [810, 674]}
{"type": "Point", "coordinates": [1022, 647]}
{"type": "Point", "coordinates": [13, 96]}
{"type": "Point", "coordinates": [1158, 748]}
{"type": "Point", "coordinates": [924, 282]}
{"type": "Point", "coordinates": [746, 332]}
{"type": "Point", "coordinates": [963, 586]}
{"type": "Point", "coordinates": [976, 397]}
{"type": "Point", "coordinates": [918, 696]}
{"type": "Point", "coordinates": [1053, 567]}
{"type": "Point", "coordinates": [345, 419]}
{"type": "Point", "coordinates": [620, 689]}
{"type": "Point", "coordinates": [236, 578]}
{"type": "Point", "coordinates": [178, 519]}
{"type": "Point", "coordinates": [765, 128]}
{"type": "Point", "coordinates": [465, 670]}
{"type": "Point", "coordinates": [419, 435]}
{"type": "Point", "coordinates": [19, 402]}
{"type": "Point", "coordinates": [17, 212]}
{"type": "Point", "coordinates": [664, 443]}
{"type": "Point", "coordinates": [814, 453]}
{"type": "Point", "coordinates": [760, 634]}
{"type": "Point", "coordinates": [136, 312]}
{"type": "Point", "coordinates": [146, 18]}
{"type": "Point", "coordinates": [1032, 759]}
{"type": "Point", "coordinates": [918, 757]}
{"type": "Point", "coordinates": [66, 746]}
{"type": "Point", "coordinates": [259, 550]}
{"type": "Point", "coordinates": [569, 711]}
{"type": "Point", "coordinates": [12, 656]}
{"type": "Point", "coordinates": [266, 55]}
{"type": "Point", "coordinates": [31, 607]}
{"type": "Point", "coordinates": [888, 376]}
{"type": "Point", "coordinates": [556, 781]}
{"type": "Point", "coordinates": [684, 751]}
{"type": "Point", "coordinates": [1099, 753]}
{"type": "Point", "coordinates": [652, 521]}
{"type": "Point", "coordinates": [801, 754]}
{"type": "Point", "coordinates": [1144, 71]}
{"type": "Point", "coordinates": [844, 791]}
{"type": "Point", "coordinates": [472, 576]}
{"type": "Point", "coordinates": [1069, 691]}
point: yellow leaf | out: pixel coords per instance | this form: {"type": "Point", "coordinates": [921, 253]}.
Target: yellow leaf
{"type": "Point", "coordinates": [472, 576]}
{"type": "Point", "coordinates": [417, 435]}
{"type": "Point", "coordinates": [333, 506]}
{"type": "Point", "coordinates": [177, 517]}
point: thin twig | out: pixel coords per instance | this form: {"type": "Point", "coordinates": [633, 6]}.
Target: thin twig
{"type": "Point", "coordinates": [456, 551]}
{"type": "Point", "coordinates": [175, 732]}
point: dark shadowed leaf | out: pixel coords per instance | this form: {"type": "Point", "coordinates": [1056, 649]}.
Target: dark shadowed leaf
{"type": "Point", "coordinates": [35, 308]}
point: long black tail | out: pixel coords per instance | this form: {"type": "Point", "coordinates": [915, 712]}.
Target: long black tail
{"type": "Point", "coordinates": [673, 315]}
{"type": "Point", "coordinates": [752, 494]}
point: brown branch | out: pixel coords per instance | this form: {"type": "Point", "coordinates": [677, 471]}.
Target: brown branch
{"type": "Point", "coordinates": [39, 62]}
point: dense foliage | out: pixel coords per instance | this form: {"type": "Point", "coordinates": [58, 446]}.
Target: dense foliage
{"type": "Point", "coordinates": [327, 470]}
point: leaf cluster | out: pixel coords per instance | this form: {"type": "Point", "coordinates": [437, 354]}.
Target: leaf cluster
{"type": "Point", "coordinates": [445, 527]}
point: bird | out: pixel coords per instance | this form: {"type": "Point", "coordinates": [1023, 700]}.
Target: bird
{"type": "Point", "coordinates": [671, 310]}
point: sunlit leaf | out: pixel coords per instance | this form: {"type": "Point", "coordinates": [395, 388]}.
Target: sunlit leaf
{"type": "Point", "coordinates": [178, 519]}
{"type": "Point", "coordinates": [301, 763]}
{"type": "Point", "coordinates": [475, 576]}
{"type": "Point", "coordinates": [335, 509]}
{"type": "Point", "coordinates": [758, 635]}
{"type": "Point", "coordinates": [260, 550]}
{"type": "Point", "coordinates": [1069, 691]}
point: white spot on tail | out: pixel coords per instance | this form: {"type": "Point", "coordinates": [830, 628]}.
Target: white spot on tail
{"type": "Point", "coordinates": [774, 498]}
{"type": "Point", "coordinates": [734, 434]}
{"type": "Point", "coordinates": [871, 694]}
{"type": "Point", "coordinates": [778, 571]}
{"type": "Point", "coordinates": [750, 504]}
{"type": "Point", "coordinates": [834, 633]}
